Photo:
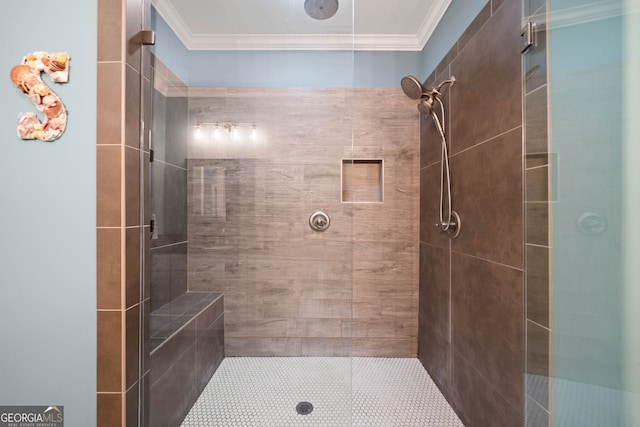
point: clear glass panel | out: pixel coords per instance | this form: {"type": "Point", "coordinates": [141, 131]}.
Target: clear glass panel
{"type": "Point", "coordinates": [243, 156]}
{"type": "Point", "coordinates": [537, 209]}
{"type": "Point", "coordinates": [631, 210]}
{"type": "Point", "coordinates": [168, 183]}
{"type": "Point", "coordinates": [593, 345]}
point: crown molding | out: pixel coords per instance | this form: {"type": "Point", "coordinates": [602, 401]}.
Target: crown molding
{"type": "Point", "coordinates": [431, 20]}
{"type": "Point", "coordinates": [364, 42]}
{"type": "Point", "coordinates": [358, 42]}
{"type": "Point", "coordinates": [173, 20]}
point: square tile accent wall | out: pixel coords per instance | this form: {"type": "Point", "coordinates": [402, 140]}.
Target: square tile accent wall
{"type": "Point", "coordinates": [471, 317]}
{"type": "Point", "coordinates": [290, 291]}
{"type": "Point", "coordinates": [120, 228]}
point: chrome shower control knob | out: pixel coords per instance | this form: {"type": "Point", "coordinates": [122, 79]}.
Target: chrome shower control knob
{"type": "Point", "coordinates": [319, 221]}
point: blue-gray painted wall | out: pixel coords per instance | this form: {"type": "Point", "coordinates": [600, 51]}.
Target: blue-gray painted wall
{"type": "Point", "coordinates": [455, 20]}
{"type": "Point", "coordinates": [48, 217]}
{"type": "Point", "coordinates": [311, 69]}
{"type": "Point", "coordinates": [168, 48]}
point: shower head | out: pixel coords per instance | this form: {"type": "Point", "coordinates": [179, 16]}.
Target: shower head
{"type": "Point", "coordinates": [425, 106]}
{"type": "Point", "coordinates": [427, 96]}
{"type": "Point", "coordinates": [412, 87]}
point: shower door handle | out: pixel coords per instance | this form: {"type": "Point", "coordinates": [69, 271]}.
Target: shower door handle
{"type": "Point", "coordinates": [153, 227]}
{"type": "Point", "coordinates": [529, 36]}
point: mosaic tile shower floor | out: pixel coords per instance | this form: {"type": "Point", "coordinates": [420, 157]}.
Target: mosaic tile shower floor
{"type": "Point", "coordinates": [344, 392]}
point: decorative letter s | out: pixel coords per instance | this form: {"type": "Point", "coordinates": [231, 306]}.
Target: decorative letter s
{"type": "Point", "coordinates": [27, 78]}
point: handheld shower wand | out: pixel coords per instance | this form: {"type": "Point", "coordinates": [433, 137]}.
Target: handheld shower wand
{"type": "Point", "coordinates": [449, 220]}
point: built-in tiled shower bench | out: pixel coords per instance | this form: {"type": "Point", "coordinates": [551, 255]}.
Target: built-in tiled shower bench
{"type": "Point", "coordinates": [187, 346]}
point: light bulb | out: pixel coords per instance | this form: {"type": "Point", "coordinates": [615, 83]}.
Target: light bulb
{"type": "Point", "coordinates": [254, 133]}
{"type": "Point", "coordinates": [216, 133]}
{"type": "Point", "coordinates": [235, 133]}
{"type": "Point", "coordinates": [198, 133]}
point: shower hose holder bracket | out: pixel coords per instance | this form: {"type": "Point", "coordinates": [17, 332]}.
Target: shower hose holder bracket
{"type": "Point", "coordinates": [453, 227]}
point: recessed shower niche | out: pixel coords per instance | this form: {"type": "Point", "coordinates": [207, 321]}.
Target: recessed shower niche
{"type": "Point", "coordinates": [363, 180]}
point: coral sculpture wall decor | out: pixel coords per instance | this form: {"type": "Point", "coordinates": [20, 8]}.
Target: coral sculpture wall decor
{"type": "Point", "coordinates": [26, 77]}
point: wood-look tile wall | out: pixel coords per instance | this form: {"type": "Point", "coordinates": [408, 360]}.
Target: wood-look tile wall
{"type": "Point", "coordinates": [471, 318]}
{"type": "Point", "coordinates": [119, 226]}
{"type": "Point", "coordinates": [290, 291]}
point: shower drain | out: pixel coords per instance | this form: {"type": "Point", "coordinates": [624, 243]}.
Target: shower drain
{"type": "Point", "coordinates": [304, 408]}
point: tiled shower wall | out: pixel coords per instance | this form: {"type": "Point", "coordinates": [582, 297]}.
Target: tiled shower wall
{"type": "Point", "coordinates": [471, 289]}
{"type": "Point", "coordinates": [123, 72]}
{"type": "Point", "coordinates": [288, 290]}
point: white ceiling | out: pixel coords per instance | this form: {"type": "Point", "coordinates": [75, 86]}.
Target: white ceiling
{"type": "Point", "coordinates": [387, 25]}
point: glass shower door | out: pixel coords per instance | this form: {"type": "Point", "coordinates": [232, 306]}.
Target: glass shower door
{"type": "Point", "coordinates": [268, 131]}
{"type": "Point", "coordinates": [590, 261]}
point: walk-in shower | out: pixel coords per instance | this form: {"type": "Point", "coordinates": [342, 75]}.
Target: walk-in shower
{"type": "Point", "coordinates": [351, 326]}
{"type": "Point", "coordinates": [449, 220]}
{"type": "Point", "coordinates": [320, 309]}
